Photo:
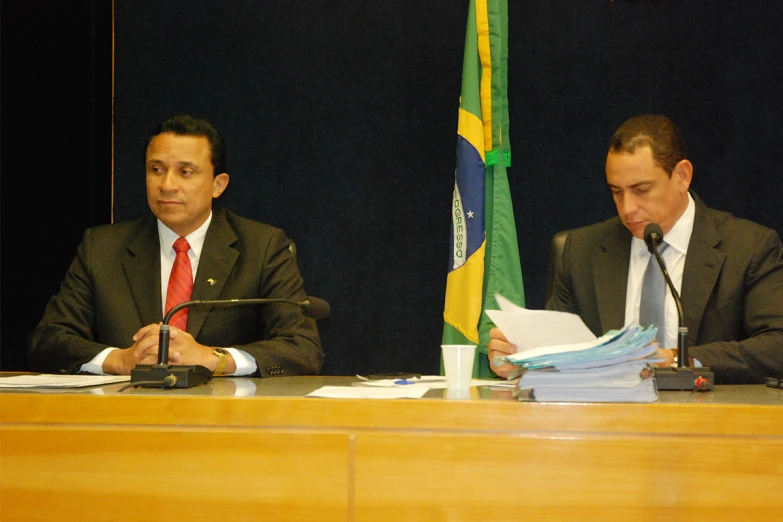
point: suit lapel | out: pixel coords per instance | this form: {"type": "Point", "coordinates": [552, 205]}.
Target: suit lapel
{"type": "Point", "coordinates": [142, 270]}
{"type": "Point", "coordinates": [217, 261]}
{"type": "Point", "coordinates": [610, 277]}
{"type": "Point", "coordinates": [703, 265]}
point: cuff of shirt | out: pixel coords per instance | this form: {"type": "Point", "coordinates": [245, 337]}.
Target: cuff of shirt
{"type": "Point", "coordinates": [96, 364]}
{"type": "Point", "coordinates": [246, 363]}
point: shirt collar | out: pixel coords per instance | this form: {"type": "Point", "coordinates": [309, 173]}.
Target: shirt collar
{"type": "Point", "coordinates": [195, 238]}
{"type": "Point", "coordinates": [678, 237]}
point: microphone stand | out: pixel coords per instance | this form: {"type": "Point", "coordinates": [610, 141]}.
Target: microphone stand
{"type": "Point", "coordinates": [165, 375]}
{"type": "Point", "coordinates": [681, 377]}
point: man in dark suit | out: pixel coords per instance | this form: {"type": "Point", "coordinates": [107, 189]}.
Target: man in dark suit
{"type": "Point", "coordinates": [728, 271]}
{"type": "Point", "coordinates": [105, 318]}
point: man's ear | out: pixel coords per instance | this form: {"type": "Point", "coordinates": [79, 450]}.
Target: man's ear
{"type": "Point", "coordinates": [683, 174]}
{"type": "Point", "coordinates": [219, 184]}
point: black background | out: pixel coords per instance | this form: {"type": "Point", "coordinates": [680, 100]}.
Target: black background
{"type": "Point", "coordinates": [340, 118]}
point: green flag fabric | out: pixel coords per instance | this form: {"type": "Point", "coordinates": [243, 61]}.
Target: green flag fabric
{"type": "Point", "coordinates": [484, 250]}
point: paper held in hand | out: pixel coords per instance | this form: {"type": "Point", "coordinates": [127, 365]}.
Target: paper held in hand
{"type": "Point", "coordinates": [560, 359]}
{"type": "Point", "coordinates": [528, 329]}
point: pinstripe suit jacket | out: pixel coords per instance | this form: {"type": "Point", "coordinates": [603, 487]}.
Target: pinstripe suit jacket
{"type": "Point", "coordinates": [112, 289]}
{"type": "Point", "coordinates": [732, 290]}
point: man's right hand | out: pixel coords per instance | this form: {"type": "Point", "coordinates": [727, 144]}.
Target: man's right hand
{"type": "Point", "coordinates": [499, 346]}
{"type": "Point", "coordinates": [143, 351]}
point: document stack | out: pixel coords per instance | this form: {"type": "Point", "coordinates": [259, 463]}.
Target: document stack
{"type": "Point", "coordinates": [613, 368]}
{"type": "Point", "coordinates": [560, 359]}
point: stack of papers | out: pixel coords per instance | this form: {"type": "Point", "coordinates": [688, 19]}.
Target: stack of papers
{"type": "Point", "coordinates": [571, 364]}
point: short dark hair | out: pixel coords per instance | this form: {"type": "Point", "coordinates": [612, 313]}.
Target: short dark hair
{"type": "Point", "coordinates": [187, 125]}
{"type": "Point", "coordinates": [655, 131]}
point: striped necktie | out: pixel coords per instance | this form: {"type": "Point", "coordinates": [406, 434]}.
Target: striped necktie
{"type": "Point", "coordinates": [180, 283]}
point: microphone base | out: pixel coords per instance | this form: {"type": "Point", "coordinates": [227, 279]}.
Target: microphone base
{"type": "Point", "coordinates": [685, 379]}
{"type": "Point", "coordinates": [153, 375]}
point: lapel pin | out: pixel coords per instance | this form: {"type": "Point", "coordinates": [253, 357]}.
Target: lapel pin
{"type": "Point", "coordinates": [211, 282]}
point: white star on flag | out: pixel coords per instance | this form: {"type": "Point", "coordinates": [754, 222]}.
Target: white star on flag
{"type": "Point", "coordinates": [470, 214]}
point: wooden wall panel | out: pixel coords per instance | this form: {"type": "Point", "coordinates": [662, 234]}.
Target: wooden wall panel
{"type": "Point", "coordinates": [126, 473]}
{"type": "Point", "coordinates": [588, 477]}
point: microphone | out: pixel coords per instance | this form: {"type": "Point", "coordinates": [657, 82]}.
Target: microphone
{"type": "Point", "coordinates": [164, 375]}
{"type": "Point", "coordinates": [653, 236]}
{"type": "Point", "coordinates": [682, 377]}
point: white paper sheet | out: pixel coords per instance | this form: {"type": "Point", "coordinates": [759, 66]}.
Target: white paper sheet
{"type": "Point", "coordinates": [529, 329]}
{"type": "Point", "coordinates": [429, 382]}
{"type": "Point", "coordinates": [59, 381]}
{"type": "Point", "coordinates": [368, 392]}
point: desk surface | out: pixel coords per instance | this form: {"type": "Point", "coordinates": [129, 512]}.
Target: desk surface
{"type": "Point", "coordinates": [301, 386]}
{"type": "Point", "coordinates": [691, 456]}
{"type": "Point", "coordinates": [280, 402]}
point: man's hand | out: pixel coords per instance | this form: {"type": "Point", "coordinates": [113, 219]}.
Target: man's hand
{"type": "Point", "coordinates": [667, 355]}
{"type": "Point", "coordinates": [143, 351]}
{"type": "Point", "coordinates": [499, 346]}
{"type": "Point", "coordinates": [183, 349]}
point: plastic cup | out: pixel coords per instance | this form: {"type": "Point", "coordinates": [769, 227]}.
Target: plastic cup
{"type": "Point", "coordinates": [458, 363]}
{"type": "Point", "coordinates": [465, 394]}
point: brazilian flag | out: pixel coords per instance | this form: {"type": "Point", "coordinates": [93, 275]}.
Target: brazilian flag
{"type": "Point", "coordinates": [484, 250]}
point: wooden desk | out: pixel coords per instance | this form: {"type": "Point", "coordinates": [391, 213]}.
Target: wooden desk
{"type": "Point", "coordinates": [203, 454]}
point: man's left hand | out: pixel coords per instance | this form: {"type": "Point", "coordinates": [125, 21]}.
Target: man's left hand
{"type": "Point", "coordinates": [667, 355]}
{"type": "Point", "coordinates": [183, 349]}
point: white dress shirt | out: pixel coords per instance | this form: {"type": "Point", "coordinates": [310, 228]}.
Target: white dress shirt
{"type": "Point", "coordinates": [246, 364]}
{"type": "Point", "coordinates": [678, 239]}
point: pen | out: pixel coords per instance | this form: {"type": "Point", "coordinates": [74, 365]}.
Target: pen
{"type": "Point", "coordinates": [404, 381]}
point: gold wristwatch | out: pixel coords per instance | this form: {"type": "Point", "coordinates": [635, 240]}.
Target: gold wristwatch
{"type": "Point", "coordinates": [222, 356]}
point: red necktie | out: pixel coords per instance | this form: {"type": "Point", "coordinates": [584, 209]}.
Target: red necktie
{"type": "Point", "coordinates": [180, 283]}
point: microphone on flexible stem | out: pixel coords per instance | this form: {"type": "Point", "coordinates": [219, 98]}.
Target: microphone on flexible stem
{"type": "Point", "coordinates": [682, 377]}
{"type": "Point", "coordinates": [164, 375]}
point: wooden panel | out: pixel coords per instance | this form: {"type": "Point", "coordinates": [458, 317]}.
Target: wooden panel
{"type": "Point", "coordinates": [124, 473]}
{"type": "Point", "coordinates": [432, 477]}
{"type": "Point", "coordinates": [504, 416]}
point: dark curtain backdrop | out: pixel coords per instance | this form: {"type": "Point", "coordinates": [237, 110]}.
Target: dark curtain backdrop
{"type": "Point", "coordinates": [56, 150]}
{"type": "Point", "coordinates": [341, 117]}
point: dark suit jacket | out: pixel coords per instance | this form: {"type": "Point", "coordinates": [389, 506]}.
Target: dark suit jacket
{"type": "Point", "coordinates": [732, 290]}
{"type": "Point", "coordinates": [113, 288]}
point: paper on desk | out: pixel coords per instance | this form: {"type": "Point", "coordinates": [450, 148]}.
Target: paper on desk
{"type": "Point", "coordinates": [59, 381]}
{"type": "Point", "coordinates": [425, 381]}
{"type": "Point", "coordinates": [643, 391]}
{"type": "Point", "coordinates": [430, 382]}
{"type": "Point", "coordinates": [622, 375]}
{"type": "Point", "coordinates": [362, 392]}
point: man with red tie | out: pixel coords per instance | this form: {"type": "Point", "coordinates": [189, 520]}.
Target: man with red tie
{"type": "Point", "coordinates": [106, 316]}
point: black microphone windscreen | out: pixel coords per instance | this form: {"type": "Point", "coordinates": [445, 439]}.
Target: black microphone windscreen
{"type": "Point", "coordinates": [653, 234]}
{"type": "Point", "coordinates": [318, 308]}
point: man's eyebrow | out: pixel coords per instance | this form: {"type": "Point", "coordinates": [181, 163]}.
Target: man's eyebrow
{"type": "Point", "coordinates": [188, 164]}
{"type": "Point", "coordinates": [635, 185]}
